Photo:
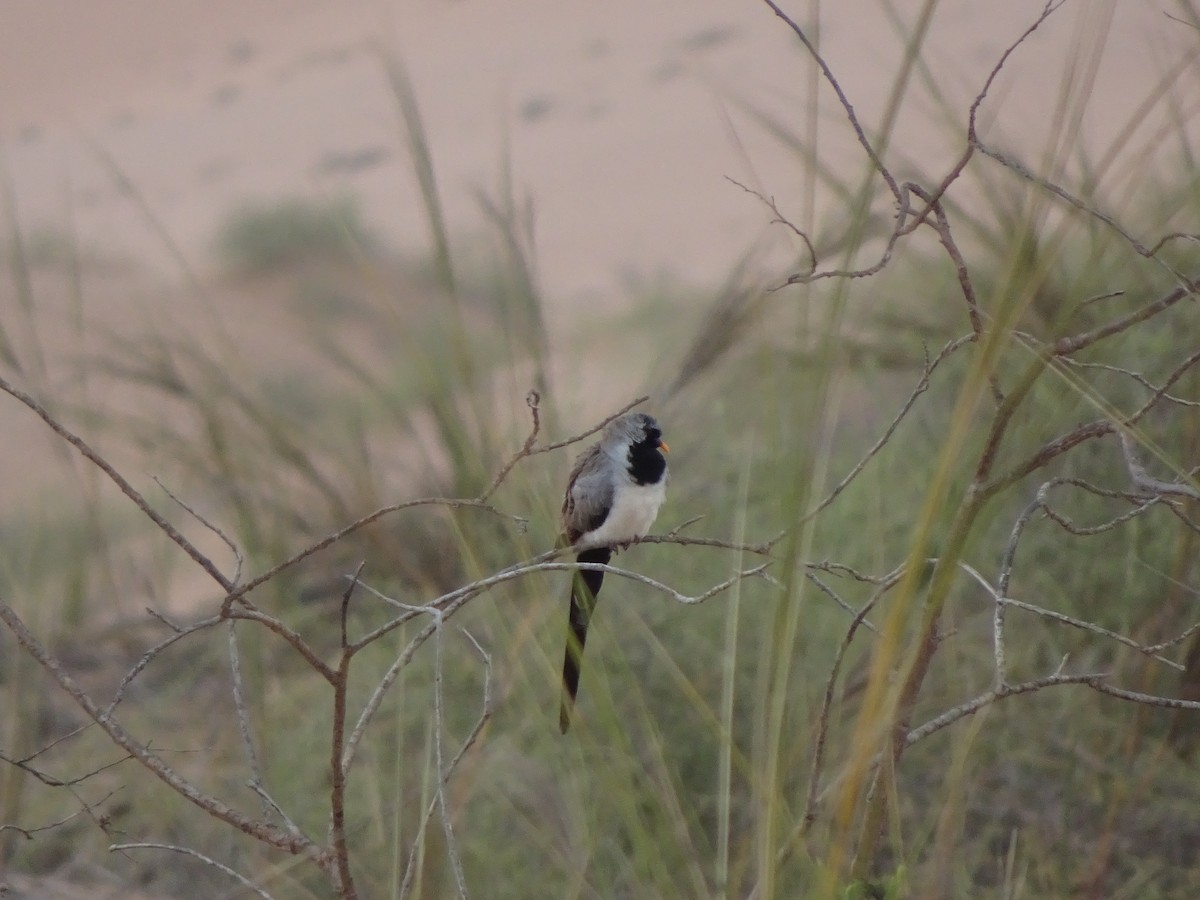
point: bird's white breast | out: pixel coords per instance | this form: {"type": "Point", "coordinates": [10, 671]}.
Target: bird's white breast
{"type": "Point", "coordinates": [634, 509]}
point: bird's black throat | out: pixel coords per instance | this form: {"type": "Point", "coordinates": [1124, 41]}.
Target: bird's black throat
{"type": "Point", "coordinates": [646, 461]}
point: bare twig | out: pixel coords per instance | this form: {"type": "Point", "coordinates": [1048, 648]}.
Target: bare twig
{"type": "Point", "coordinates": [530, 447]}
{"type": "Point", "coordinates": [836, 598]}
{"type": "Point", "coordinates": [863, 141]}
{"type": "Point", "coordinates": [24, 764]}
{"type": "Point", "coordinates": [781, 219]}
{"type": "Point", "coordinates": [973, 117]}
{"type": "Point", "coordinates": [119, 480]}
{"type": "Point", "coordinates": [289, 634]}
{"type": "Point", "coordinates": [240, 707]}
{"type": "Point", "coordinates": [532, 400]}
{"type": "Point", "coordinates": [439, 727]}
{"type": "Point", "coordinates": [228, 541]}
{"type": "Point", "coordinates": [237, 594]}
{"type": "Point", "coordinates": [337, 741]}
{"type": "Point", "coordinates": [764, 548]}
{"type": "Point", "coordinates": [28, 832]}
{"type": "Point", "coordinates": [1069, 345]}
{"type": "Point", "coordinates": [1160, 391]}
{"type": "Point", "coordinates": [950, 716]}
{"type": "Point", "coordinates": [208, 860]}
{"type": "Point", "coordinates": [1084, 625]}
{"type": "Point", "coordinates": [1046, 454]}
{"type": "Point", "coordinates": [153, 652]}
{"type": "Point", "coordinates": [818, 760]}
{"type": "Point", "coordinates": [575, 439]}
{"type": "Point", "coordinates": [450, 603]}
{"type": "Point", "coordinates": [906, 407]}
{"type": "Point", "coordinates": [214, 807]}
{"type": "Point", "coordinates": [1104, 687]}
{"type": "Point", "coordinates": [445, 774]}
{"type": "Point", "coordinates": [887, 578]}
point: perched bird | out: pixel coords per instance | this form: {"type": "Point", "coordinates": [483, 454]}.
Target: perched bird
{"type": "Point", "coordinates": [612, 497]}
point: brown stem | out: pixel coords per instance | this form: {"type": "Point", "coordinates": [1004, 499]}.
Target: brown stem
{"type": "Point", "coordinates": [263, 831]}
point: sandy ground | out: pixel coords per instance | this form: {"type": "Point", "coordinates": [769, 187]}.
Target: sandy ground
{"type": "Point", "coordinates": [621, 119]}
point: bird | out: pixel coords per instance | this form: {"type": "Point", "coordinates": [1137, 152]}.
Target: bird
{"type": "Point", "coordinates": [613, 495]}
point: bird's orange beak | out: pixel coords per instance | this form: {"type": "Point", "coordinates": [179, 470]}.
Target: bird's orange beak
{"type": "Point", "coordinates": [662, 445]}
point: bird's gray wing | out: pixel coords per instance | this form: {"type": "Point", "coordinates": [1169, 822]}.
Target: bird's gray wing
{"type": "Point", "coordinates": [589, 495]}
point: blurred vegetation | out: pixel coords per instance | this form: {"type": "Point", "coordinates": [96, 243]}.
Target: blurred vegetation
{"type": "Point", "coordinates": [689, 769]}
{"type": "Point", "coordinates": [265, 237]}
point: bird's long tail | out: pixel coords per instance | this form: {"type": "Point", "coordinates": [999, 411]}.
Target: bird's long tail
{"type": "Point", "coordinates": [584, 588]}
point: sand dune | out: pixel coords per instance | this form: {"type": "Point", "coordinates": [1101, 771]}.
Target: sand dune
{"type": "Point", "coordinates": [621, 119]}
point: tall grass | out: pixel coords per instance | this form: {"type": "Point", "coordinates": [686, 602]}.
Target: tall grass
{"type": "Point", "coordinates": [691, 770]}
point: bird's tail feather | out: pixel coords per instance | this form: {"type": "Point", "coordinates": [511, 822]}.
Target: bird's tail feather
{"type": "Point", "coordinates": [584, 588]}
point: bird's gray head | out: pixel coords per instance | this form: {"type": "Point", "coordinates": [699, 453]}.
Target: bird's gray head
{"type": "Point", "coordinates": [634, 441]}
{"type": "Point", "coordinates": [635, 428]}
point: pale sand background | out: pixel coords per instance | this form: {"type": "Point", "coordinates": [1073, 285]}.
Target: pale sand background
{"type": "Point", "coordinates": [620, 117]}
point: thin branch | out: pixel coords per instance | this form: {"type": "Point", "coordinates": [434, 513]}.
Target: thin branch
{"type": "Point", "coordinates": [818, 760]}
{"type": "Point", "coordinates": [843, 569]}
{"type": "Point", "coordinates": [1089, 626]}
{"type": "Point", "coordinates": [382, 687]}
{"type": "Point", "coordinates": [233, 548]}
{"type": "Point", "coordinates": [532, 400]}
{"type": "Point", "coordinates": [566, 442]}
{"type": "Point", "coordinates": [448, 604]}
{"type": "Point", "coordinates": [972, 119]}
{"type": "Point", "coordinates": [898, 231]}
{"type": "Point", "coordinates": [237, 876]}
{"type": "Point", "coordinates": [842, 98]}
{"type": "Point", "coordinates": [290, 635]}
{"type": "Point", "coordinates": [119, 480]}
{"type": "Point", "coordinates": [836, 598]}
{"type": "Point", "coordinates": [29, 832]}
{"type": "Point", "coordinates": [765, 548]}
{"type": "Point", "coordinates": [1161, 392]}
{"type": "Point", "coordinates": [472, 736]}
{"type": "Point", "coordinates": [485, 714]}
{"type": "Point", "coordinates": [781, 219]}
{"type": "Point", "coordinates": [344, 612]}
{"type": "Point", "coordinates": [1068, 345]}
{"type": "Point", "coordinates": [150, 654]}
{"type": "Point", "coordinates": [1066, 196]}
{"type": "Point", "coordinates": [941, 225]}
{"type": "Point", "coordinates": [950, 716]}
{"type": "Point", "coordinates": [239, 703]}
{"type": "Point", "coordinates": [439, 727]}
{"type": "Point", "coordinates": [51, 781]}
{"type": "Point", "coordinates": [1065, 523]}
{"type": "Point", "coordinates": [262, 831]}
{"type": "Point", "coordinates": [1144, 699]}
{"type": "Point", "coordinates": [339, 773]}
{"type": "Point", "coordinates": [1046, 454]}
{"type": "Point", "coordinates": [921, 388]}
{"type": "Point", "coordinates": [274, 806]}
{"type": "Point", "coordinates": [236, 594]}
